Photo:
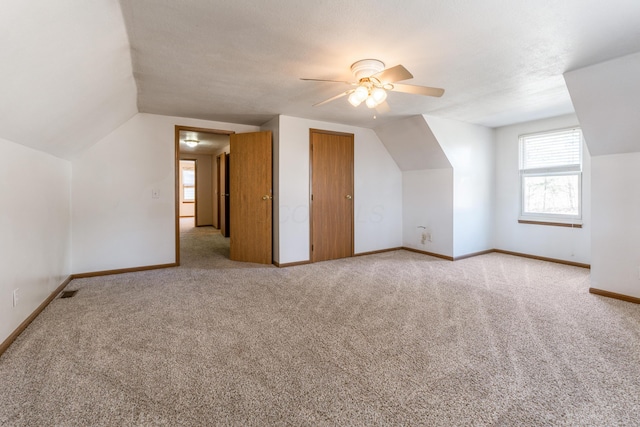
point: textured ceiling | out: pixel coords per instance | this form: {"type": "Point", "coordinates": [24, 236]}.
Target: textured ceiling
{"type": "Point", "coordinates": [500, 62]}
{"type": "Point", "coordinates": [65, 73]}
{"type": "Point", "coordinates": [72, 71]}
{"type": "Point", "coordinates": [208, 143]}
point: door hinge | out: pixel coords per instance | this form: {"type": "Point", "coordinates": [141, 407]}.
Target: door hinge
{"type": "Point", "coordinates": [312, 197]}
{"type": "Point", "coordinates": [312, 248]}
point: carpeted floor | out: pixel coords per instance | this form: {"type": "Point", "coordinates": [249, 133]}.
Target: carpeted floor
{"type": "Point", "coordinates": [205, 248]}
{"type": "Point", "coordinates": [396, 338]}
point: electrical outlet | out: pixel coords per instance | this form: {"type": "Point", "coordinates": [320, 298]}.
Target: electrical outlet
{"type": "Point", "coordinates": [423, 239]}
{"type": "Point", "coordinates": [428, 237]}
{"type": "Point", "coordinates": [15, 297]}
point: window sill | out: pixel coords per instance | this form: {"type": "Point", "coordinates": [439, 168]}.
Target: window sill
{"type": "Point", "coordinates": [573, 224]}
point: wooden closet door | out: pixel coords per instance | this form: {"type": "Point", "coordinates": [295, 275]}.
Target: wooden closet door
{"type": "Point", "coordinates": [331, 195]}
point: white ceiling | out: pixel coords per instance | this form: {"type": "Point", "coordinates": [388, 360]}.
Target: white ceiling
{"type": "Point", "coordinates": [65, 73]}
{"type": "Point", "coordinates": [72, 71]}
{"type": "Point", "coordinates": [500, 62]}
{"type": "Point", "coordinates": [208, 143]}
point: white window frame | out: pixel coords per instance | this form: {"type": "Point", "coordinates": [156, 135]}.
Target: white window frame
{"type": "Point", "coordinates": [563, 170]}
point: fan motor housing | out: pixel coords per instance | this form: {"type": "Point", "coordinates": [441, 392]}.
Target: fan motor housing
{"type": "Point", "coordinates": [366, 68]}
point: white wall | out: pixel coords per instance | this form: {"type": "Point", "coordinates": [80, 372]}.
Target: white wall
{"type": "Point", "coordinates": [116, 222]}
{"type": "Point", "coordinates": [616, 231]}
{"type": "Point", "coordinates": [377, 184]}
{"type": "Point", "coordinates": [606, 97]}
{"type": "Point", "coordinates": [547, 241]}
{"type": "Point", "coordinates": [453, 195]}
{"type": "Point", "coordinates": [428, 202]}
{"type": "Point", "coordinates": [35, 248]}
{"type": "Point", "coordinates": [470, 150]}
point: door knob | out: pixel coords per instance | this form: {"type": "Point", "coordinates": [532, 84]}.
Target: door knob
{"type": "Point", "coordinates": [349, 196]}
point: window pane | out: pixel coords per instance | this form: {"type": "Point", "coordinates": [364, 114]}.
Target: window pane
{"type": "Point", "coordinates": [551, 194]}
{"type": "Point", "coordinates": [551, 149]}
{"type": "Point", "coordinates": [188, 177]}
{"type": "Point", "coordinates": [189, 194]}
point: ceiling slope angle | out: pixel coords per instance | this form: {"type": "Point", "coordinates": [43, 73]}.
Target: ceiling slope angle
{"type": "Point", "coordinates": [606, 97]}
{"type": "Point", "coordinates": [233, 62]}
{"type": "Point", "coordinates": [66, 74]}
{"type": "Point", "coordinates": [412, 144]}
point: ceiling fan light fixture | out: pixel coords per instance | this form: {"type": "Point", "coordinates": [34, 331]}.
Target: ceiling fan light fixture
{"type": "Point", "coordinates": [371, 102]}
{"type": "Point", "coordinates": [379, 95]}
{"type": "Point", "coordinates": [354, 99]}
{"type": "Point", "coordinates": [362, 92]}
{"type": "Point", "coordinates": [191, 142]}
{"type": "Point", "coordinates": [372, 83]}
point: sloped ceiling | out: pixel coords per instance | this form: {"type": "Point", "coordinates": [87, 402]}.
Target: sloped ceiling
{"type": "Point", "coordinates": [412, 144]}
{"type": "Point", "coordinates": [500, 61]}
{"type": "Point", "coordinates": [606, 97]}
{"type": "Point", "coordinates": [67, 67]}
{"type": "Point", "coordinates": [65, 70]}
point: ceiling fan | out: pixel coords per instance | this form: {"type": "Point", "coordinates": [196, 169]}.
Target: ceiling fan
{"type": "Point", "coordinates": [373, 82]}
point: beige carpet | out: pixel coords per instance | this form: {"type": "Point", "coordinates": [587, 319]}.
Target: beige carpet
{"type": "Point", "coordinates": [205, 248]}
{"type": "Point", "coordinates": [391, 339]}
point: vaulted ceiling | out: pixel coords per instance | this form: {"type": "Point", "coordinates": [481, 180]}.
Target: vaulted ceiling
{"type": "Point", "coordinates": [500, 62]}
{"type": "Point", "coordinates": [73, 70]}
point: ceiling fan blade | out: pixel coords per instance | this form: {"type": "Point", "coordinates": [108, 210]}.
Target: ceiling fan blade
{"type": "Point", "coordinates": [383, 108]}
{"type": "Point", "coordinates": [340, 95]}
{"type": "Point", "coordinates": [393, 74]}
{"type": "Point", "coordinates": [418, 90]}
{"type": "Point", "coordinates": [332, 81]}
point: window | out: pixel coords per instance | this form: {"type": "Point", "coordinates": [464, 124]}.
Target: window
{"type": "Point", "coordinates": [188, 184]}
{"type": "Point", "coordinates": [551, 177]}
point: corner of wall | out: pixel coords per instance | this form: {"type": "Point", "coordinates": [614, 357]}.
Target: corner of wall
{"type": "Point", "coordinates": [34, 262]}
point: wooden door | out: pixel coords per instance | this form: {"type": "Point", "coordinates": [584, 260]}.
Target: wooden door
{"type": "Point", "coordinates": [250, 171]}
{"type": "Point", "coordinates": [223, 194]}
{"type": "Point", "coordinates": [227, 201]}
{"type": "Point", "coordinates": [216, 198]}
{"type": "Point", "coordinates": [331, 195]}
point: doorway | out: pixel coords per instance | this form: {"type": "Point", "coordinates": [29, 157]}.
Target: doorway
{"type": "Point", "coordinates": [251, 160]}
{"type": "Point", "coordinates": [202, 146]}
{"type": "Point", "coordinates": [332, 198]}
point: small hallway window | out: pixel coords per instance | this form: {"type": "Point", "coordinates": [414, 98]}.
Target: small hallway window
{"type": "Point", "coordinates": [189, 182]}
